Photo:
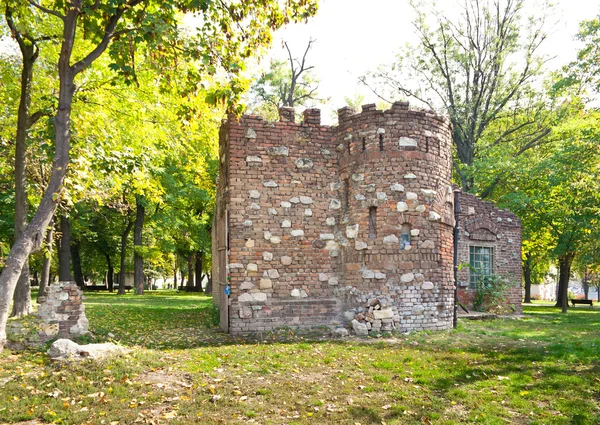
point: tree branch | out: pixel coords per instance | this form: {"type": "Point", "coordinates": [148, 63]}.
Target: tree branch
{"type": "Point", "coordinates": [109, 32]}
{"type": "Point", "coordinates": [33, 118]}
{"type": "Point", "coordinates": [46, 10]}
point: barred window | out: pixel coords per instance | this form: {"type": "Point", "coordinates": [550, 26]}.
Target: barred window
{"type": "Point", "coordinates": [481, 260]}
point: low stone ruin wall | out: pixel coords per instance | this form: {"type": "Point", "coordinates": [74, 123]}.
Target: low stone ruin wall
{"type": "Point", "coordinates": [62, 312]}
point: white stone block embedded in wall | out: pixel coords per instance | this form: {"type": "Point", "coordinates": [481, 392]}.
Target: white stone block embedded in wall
{"type": "Point", "coordinates": [335, 204]}
{"type": "Point", "coordinates": [352, 231]}
{"type": "Point", "coordinates": [401, 206]}
{"type": "Point", "coordinates": [407, 142]}
{"type": "Point", "coordinates": [397, 187]}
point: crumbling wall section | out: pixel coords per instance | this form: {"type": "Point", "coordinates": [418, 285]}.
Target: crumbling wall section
{"type": "Point", "coordinates": [62, 312]}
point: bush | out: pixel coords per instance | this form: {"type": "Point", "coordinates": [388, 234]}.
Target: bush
{"type": "Point", "coordinates": [489, 293]}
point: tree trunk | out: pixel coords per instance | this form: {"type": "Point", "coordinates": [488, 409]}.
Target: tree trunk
{"type": "Point", "coordinates": [22, 295]}
{"type": "Point", "coordinates": [76, 259]}
{"type": "Point", "coordinates": [209, 284]}
{"type": "Point", "coordinates": [110, 274]}
{"type": "Point", "coordinates": [122, 262]}
{"type": "Point", "coordinates": [199, 258]}
{"type": "Point", "coordinates": [527, 277]}
{"type": "Point", "coordinates": [45, 282]}
{"type": "Point", "coordinates": [33, 236]}
{"type": "Point", "coordinates": [190, 282]}
{"type": "Point", "coordinates": [175, 274]}
{"type": "Point", "coordinates": [181, 285]}
{"type": "Point", "coordinates": [138, 261]}
{"type": "Point", "coordinates": [585, 284]}
{"type": "Point", "coordinates": [564, 263]}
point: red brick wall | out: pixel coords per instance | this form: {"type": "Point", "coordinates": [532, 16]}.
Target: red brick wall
{"type": "Point", "coordinates": [301, 251]}
{"type": "Point", "coordinates": [414, 169]}
{"type": "Point", "coordinates": [483, 224]}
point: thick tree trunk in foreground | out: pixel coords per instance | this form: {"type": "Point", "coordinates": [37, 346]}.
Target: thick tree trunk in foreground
{"type": "Point", "coordinates": [76, 260]}
{"type": "Point", "coordinates": [22, 297]}
{"type": "Point", "coordinates": [29, 53]}
{"type": "Point", "coordinates": [563, 281]}
{"type": "Point", "coordinates": [190, 282]}
{"type": "Point", "coordinates": [32, 237]}
{"type": "Point", "coordinates": [45, 281]}
{"type": "Point", "coordinates": [138, 261]}
{"type": "Point", "coordinates": [64, 250]}
{"type": "Point", "coordinates": [527, 277]}
{"type": "Point", "coordinates": [199, 258]}
{"type": "Point", "coordinates": [122, 265]}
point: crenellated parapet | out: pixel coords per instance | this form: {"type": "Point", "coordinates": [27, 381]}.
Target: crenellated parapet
{"type": "Point", "coordinates": [337, 225]}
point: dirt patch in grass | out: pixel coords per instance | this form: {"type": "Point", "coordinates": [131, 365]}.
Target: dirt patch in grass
{"type": "Point", "coordinates": [165, 380]}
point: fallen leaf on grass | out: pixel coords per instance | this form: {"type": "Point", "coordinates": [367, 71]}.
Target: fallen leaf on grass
{"type": "Point", "coordinates": [170, 415]}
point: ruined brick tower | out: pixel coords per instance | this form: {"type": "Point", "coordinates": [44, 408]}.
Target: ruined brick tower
{"type": "Point", "coordinates": [319, 225]}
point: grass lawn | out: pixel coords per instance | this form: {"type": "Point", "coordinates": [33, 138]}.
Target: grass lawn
{"type": "Point", "coordinates": [544, 369]}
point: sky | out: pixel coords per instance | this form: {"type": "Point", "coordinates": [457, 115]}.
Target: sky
{"type": "Point", "coordinates": [356, 36]}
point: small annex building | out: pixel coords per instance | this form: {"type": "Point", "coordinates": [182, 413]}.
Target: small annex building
{"type": "Point", "coordinates": [351, 224]}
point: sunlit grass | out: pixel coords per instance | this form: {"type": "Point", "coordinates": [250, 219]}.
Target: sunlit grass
{"type": "Point", "coordinates": [543, 369]}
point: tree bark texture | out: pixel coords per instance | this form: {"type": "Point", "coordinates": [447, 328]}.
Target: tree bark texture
{"type": "Point", "coordinates": [76, 260]}
{"type": "Point", "coordinates": [190, 281]}
{"type": "Point", "coordinates": [29, 52]}
{"type": "Point", "coordinates": [138, 261]}
{"type": "Point", "coordinates": [175, 274]}
{"type": "Point", "coordinates": [64, 250]}
{"type": "Point", "coordinates": [122, 263]}
{"type": "Point", "coordinates": [45, 281]}
{"type": "Point", "coordinates": [527, 277]}
{"type": "Point", "coordinates": [31, 239]}
{"type": "Point", "coordinates": [586, 284]}
{"type": "Point", "coordinates": [562, 300]}
{"type": "Point", "coordinates": [110, 274]}
{"type": "Point", "coordinates": [22, 296]}
{"type": "Point", "coordinates": [198, 281]}
{"type": "Point", "coordinates": [208, 284]}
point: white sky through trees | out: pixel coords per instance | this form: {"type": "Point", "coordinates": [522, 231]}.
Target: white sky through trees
{"type": "Point", "coordinates": [356, 36]}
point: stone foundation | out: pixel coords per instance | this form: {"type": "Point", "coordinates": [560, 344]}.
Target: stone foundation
{"type": "Point", "coordinates": [62, 312]}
